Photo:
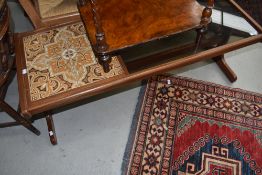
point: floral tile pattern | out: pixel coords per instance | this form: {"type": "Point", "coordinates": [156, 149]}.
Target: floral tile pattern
{"type": "Point", "coordinates": [62, 59]}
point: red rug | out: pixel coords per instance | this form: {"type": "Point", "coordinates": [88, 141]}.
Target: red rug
{"type": "Point", "coordinates": [186, 127]}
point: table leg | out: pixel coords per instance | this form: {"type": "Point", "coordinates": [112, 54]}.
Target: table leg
{"type": "Point", "coordinates": [101, 45]}
{"type": "Point", "coordinates": [51, 129]}
{"type": "Point", "coordinates": [200, 33]}
{"type": "Point", "coordinates": [104, 61]}
{"type": "Point", "coordinates": [205, 20]}
{"type": "Point", "coordinates": [221, 62]}
{"type": "Point", "coordinates": [17, 117]}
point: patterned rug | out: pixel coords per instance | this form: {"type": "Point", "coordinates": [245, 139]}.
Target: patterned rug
{"type": "Point", "coordinates": [189, 127]}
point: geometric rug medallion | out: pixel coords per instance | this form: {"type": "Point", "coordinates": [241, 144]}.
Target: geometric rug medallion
{"type": "Point", "coordinates": [190, 127]}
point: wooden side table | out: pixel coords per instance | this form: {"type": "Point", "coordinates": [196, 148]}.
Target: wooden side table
{"type": "Point", "coordinates": [116, 25]}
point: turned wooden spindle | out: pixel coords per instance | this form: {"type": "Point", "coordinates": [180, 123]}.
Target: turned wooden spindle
{"type": "Point", "coordinates": [101, 45]}
{"type": "Point", "coordinates": [206, 14]}
{"type": "Point", "coordinates": [100, 36]}
{"type": "Point", "coordinates": [205, 20]}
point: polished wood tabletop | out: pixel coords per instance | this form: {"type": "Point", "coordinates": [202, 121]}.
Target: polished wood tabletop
{"type": "Point", "coordinates": [131, 22]}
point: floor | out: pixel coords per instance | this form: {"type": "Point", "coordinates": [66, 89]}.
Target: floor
{"type": "Point", "coordinates": [92, 137]}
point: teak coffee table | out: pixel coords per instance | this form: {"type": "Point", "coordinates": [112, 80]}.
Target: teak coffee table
{"type": "Point", "coordinates": [132, 40]}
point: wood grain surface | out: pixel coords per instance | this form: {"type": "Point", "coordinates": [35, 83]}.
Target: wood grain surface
{"type": "Point", "coordinates": [131, 22]}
